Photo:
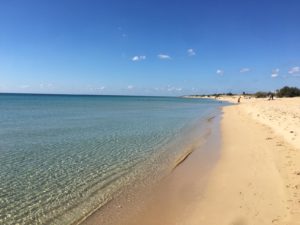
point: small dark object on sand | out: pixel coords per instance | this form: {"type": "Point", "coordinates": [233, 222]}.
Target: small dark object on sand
{"type": "Point", "coordinates": [271, 97]}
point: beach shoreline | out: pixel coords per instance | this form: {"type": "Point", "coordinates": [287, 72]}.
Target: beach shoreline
{"type": "Point", "coordinates": [76, 154]}
{"type": "Point", "coordinates": [257, 179]}
{"type": "Point", "coordinates": [174, 193]}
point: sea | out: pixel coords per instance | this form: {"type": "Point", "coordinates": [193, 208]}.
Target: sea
{"type": "Point", "coordinates": [62, 157]}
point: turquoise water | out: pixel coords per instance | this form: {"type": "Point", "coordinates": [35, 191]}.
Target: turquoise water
{"type": "Point", "coordinates": [61, 157]}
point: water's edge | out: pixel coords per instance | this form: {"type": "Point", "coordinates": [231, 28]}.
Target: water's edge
{"type": "Point", "coordinates": [125, 204]}
{"type": "Point", "coordinates": [64, 158]}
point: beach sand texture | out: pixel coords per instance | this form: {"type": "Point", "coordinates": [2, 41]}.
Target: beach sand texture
{"type": "Point", "coordinates": [257, 179]}
{"type": "Point", "coordinates": [282, 115]}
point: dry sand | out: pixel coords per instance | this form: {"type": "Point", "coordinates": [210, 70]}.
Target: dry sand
{"type": "Point", "coordinates": [257, 179]}
{"type": "Point", "coordinates": [281, 114]}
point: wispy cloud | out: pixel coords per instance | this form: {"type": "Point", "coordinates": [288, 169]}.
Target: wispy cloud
{"type": "Point", "coordinates": [100, 88]}
{"type": "Point", "coordinates": [294, 70]}
{"type": "Point", "coordinates": [244, 70]}
{"type": "Point", "coordinates": [275, 73]}
{"type": "Point", "coordinates": [220, 72]}
{"type": "Point", "coordinates": [45, 85]}
{"type": "Point", "coordinates": [138, 58]}
{"type": "Point", "coordinates": [96, 89]}
{"type": "Point", "coordinates": [172, 89]}
{"type": "Point", "coordinates": [24, 86]}
{"type": "Point", "coordinates": [130, 87]}
{"type": "Point", "coordinates": [191, 52]}
{"type": "Point", "coordinates": [163, 56]}
{"type": "Point", "coordinates": [122, 32]}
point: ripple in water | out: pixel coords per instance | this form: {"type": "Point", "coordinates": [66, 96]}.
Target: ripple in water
{"type": "Point", "coordinates": [61, 157]}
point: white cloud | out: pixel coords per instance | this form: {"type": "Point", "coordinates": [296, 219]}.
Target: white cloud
{"type": "Point", "coordinates": [220, 72]}
{"type": "Point", "coordinates": [138, 58]}
{"type": "Point", "coordinates": [191, 52]}
{"type": "Point", "coordinates": [163, 56]}
{"type": "Point", "coordinates": [135, 58]}
{"type": "Point", "coordinates": [294, 70]}
{"type": "Point", "coordinates": [130, 87]}
{"type": "Point", "coordinates": [275, 73]}
{"type": "Point", "coordinates": [245, 70]}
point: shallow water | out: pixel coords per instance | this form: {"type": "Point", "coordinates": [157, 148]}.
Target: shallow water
{"type": "Point", "coordinates": [61, 157]}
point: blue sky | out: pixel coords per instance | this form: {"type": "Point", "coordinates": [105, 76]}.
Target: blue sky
{"type": "Point", "coordinates": [148, 47]}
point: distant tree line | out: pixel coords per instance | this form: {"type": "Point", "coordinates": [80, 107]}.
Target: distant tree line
{"type": "Point", "coordinates": [280, 93]}
{"type": "Point", "coordinates": [215, 95]}
{"type": "Point", "coordinates": [262, 94]}
{"type": "Point", "coordinates": [283, 92]}
{"type": "Point", "coordinates": [288, 92]}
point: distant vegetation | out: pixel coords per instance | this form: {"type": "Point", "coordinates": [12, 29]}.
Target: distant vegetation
{"type": "Point", "coordinates": [215, 95]}
{"type": "Point", "coordinates": [288, 92]}
{"type": "Point", "coordinates": [280, 93]}
{"type": "Point", "coordinates": [262, 94]}
{"type": "Point", "coordinates": [283, 92]}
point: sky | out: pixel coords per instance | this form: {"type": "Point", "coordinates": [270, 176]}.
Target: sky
{"type": "Point", "coordinates": [154, 47]}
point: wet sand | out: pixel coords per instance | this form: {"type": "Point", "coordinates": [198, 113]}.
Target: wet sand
{"type": "Point", "coordinates": [174, 198]}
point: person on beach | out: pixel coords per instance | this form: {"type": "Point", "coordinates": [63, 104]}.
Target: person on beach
{"type": "Point", "coordinates": [271, 97]}
{"type": "Point", "coordinates": [239, 99]}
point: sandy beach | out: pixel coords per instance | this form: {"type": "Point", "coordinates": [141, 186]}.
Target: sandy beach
{"type": "Point", "coordinates": [254, 179]}
{"type": "Point", "coordinates": [149, 112]}
{"type": "Point", "coordinates": [257, 179]}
